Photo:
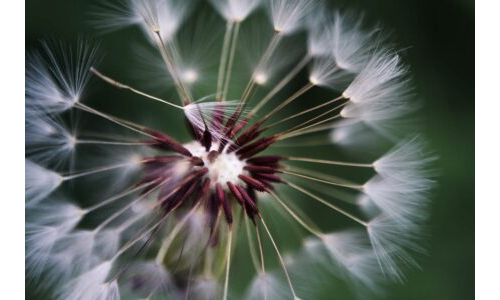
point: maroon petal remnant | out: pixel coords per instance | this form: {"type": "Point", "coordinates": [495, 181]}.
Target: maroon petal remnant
{"type": "Point", "coordinates": [165, 142]}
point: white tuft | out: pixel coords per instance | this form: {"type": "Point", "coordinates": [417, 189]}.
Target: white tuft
{"type": "Point", "coordinates": [400, 188]}
{"type": "Point", "coordinates": [325, 72]}
{"type": "Point", "coordinates": [267, 286]}
{"type": "Point", "coordinates": [409, 160]}
{"type": "Point", "coordinates": [351, 250]}
{"type": "Point", "coordinates": [91, 285]}
{"type": "Point", "coordinates": [380, 92]}
{"type": "Point", "coordinates": [56, 77]}
{"type": "Point", "coordinates": [47, 140]}
{"type": "Point", "coordinates": [235, 10]}
{"type": "Point", "coordinates": [46, 225]}
{"type": "Point", "coordinates": [351, 46]}
{"type": "Point", "coordinates": [204, 288]}
{"type": "Point", "coordinates": [392, 243]}
{"type": "Point", "coordinates": [202, 116]}
{"type": "Point", "coordinates": [163, 16]}
{"type": "Point", "coordinates": [288, 15]}
{"type": "Point", "coordinates": [154, 280]}
{"type": "Point", "coordinates": [39, 182]}
{"type": "Point", "coordinates": [402, 199]}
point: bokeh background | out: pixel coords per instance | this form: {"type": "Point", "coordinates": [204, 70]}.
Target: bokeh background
{"type": "Point", "coordinates": [439, 40]}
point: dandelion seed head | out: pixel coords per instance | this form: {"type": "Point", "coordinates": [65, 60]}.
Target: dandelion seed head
{"type": "Point", "coordinates": [158, 216]}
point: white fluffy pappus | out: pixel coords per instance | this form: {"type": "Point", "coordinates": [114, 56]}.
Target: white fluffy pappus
{"type": "Point", "coordinates": [343, 39]}
{"type": "Point", "coordinates": [393, 243]}
{"type": "Point", "coordinates": [47, 140]}
{"type": "Point", "coordinates": [39, 182]}
{"type": "Point", "coordinates": [163, 16]}
{"type": "Point", "coordinates": [403, 181]}
{"type": "Point", "coordinates": [56, 77]}
{"type": "Point", "coordinates": [409, 160]}
{"type": "Point", "coordinates": [380, 92]}
{"type": "Point", "coordinates": [46, 224]}
{"type": "Point", "coordinates": [150, 279]}
{"type": "Point", "coordinates": [204, 288]}
{"type": "Point", "coordinates": [288, 16]}
{"type": "Point", "coordinates": [351, 249]}
{"type": "Point", "coordinates": [267, 286]}
{"type": "Point", "coordinates": [91, 285]}
{"type": "Point", "coordinates": [235, 10]}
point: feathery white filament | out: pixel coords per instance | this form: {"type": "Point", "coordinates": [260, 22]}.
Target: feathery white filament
{"type": "Point", "coordinates": [400, 188]}
{"type": "Point", "coordinates": [47, 139]}
{"type": "Point", "coordinates": [163, 16]}
{"type": "Point", "coordinates": [39, 182]}
{"type": "Point", "coordinates": [91, 285]}
{"type": "Point", "coordinates": [235, 10]}
{"type": "Point", "coordinates": [288, 15]}
{"type": "Point", "coordinates": [56, 77]}
{"type": "Point", "coordinates": [392, 243]}
{"type": "Point", "coordinates": [267, 286]}
{"type": "Point", "coordinates": [380, 92]}
{"type": "Point", "coordinates": [154, 278]}
{"type": "Point", "coordinates": [409, 160]}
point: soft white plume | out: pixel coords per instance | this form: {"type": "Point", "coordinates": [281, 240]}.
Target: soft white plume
{"type": "Point", "coordinates": [91, 285]}
{"type": "Point", "coordinates": [392, 243]}
{"type": "Point", "coordinates": [351, 250]}
{"type": "Point", "coordinates": [268, 286]}
{"type": "Point", "coordinates": [56, 77]}
{"type": "Point", "coordinates": [380, 92]}
{"type": "Point", "coordinates": [47, 140]}
{"type": "Point", "coordinates": [235, 10]}
{"type": "Point", "coordinates": [154, 280]}
{"type": "Point", "coordinates": [39, 182]}
{"type": "Point", "coordinates": [46, 224]}
{"type": "Point", "coordinates": [400, 189]}
{"type": "Point", "coordinates": [204, 288]}
{"type": "Point", "coordinates": [162, 16]}
{"type": "Point", "coordinates": [325, 72]}
{"type": "Point", "coordinates": [289, 15]}
{"type": "Point", "coordinates": [409, 160]}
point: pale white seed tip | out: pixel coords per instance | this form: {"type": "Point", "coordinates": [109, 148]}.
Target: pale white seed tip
{"type": "Point", "coordinates": [260, 78]}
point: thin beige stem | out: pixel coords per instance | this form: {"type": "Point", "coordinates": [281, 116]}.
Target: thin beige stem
{"type": "Point", "coordinates": [306, 111]}
{"type": "Point", "coordinates": [115, 197]}
{"type": "Point", "coordinates": [296, 217]}
{"type": "Point", "coordinates": [170, 66]}
{"type": "Point", "coordinates": [173, 233]}
{"type": "Point", "coordinates": [350, 186]}
{"type": "Point", "coordinates": [96, 142]}
{"type": "Point", "coordinates": [232, 52]}
{"type": "Point", "coordinates": [329, 162]}
{"type": "Point", "coordinates": [97, 170]}
{"type": "Point", "coordinates": [281, 84]}
{"type": "Point", "coordinates": [267, 54]}
{"type": "Point", "coordinates": [251, 246]}
{"type": "Point", "coordinates": [228, 263]}
{"type": "Point", "coordinates": [289, 100]}
{"type": "Point", "coordinates": [113, 119]}
{"type": "Point", "coordinates": [223, 59]}
{"type": "Point", "coordinates": [126, 87]}
{"type": "Point", "coordinates": [282, 262]}
{"type": "Point", "coordinates": [323, 201]}
{"type": "Point", "coordinates": [261, 251]}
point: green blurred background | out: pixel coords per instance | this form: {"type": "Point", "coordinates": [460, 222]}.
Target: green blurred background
{"type": "Point", "coordinates": [439, 41]}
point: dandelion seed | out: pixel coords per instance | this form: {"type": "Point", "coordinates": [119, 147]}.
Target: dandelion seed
{"type": "Point", "coordinates": [39, 182]}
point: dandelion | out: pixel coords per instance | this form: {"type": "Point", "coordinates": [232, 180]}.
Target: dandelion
{"type": "Point", "coordinates": [163, 216]}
